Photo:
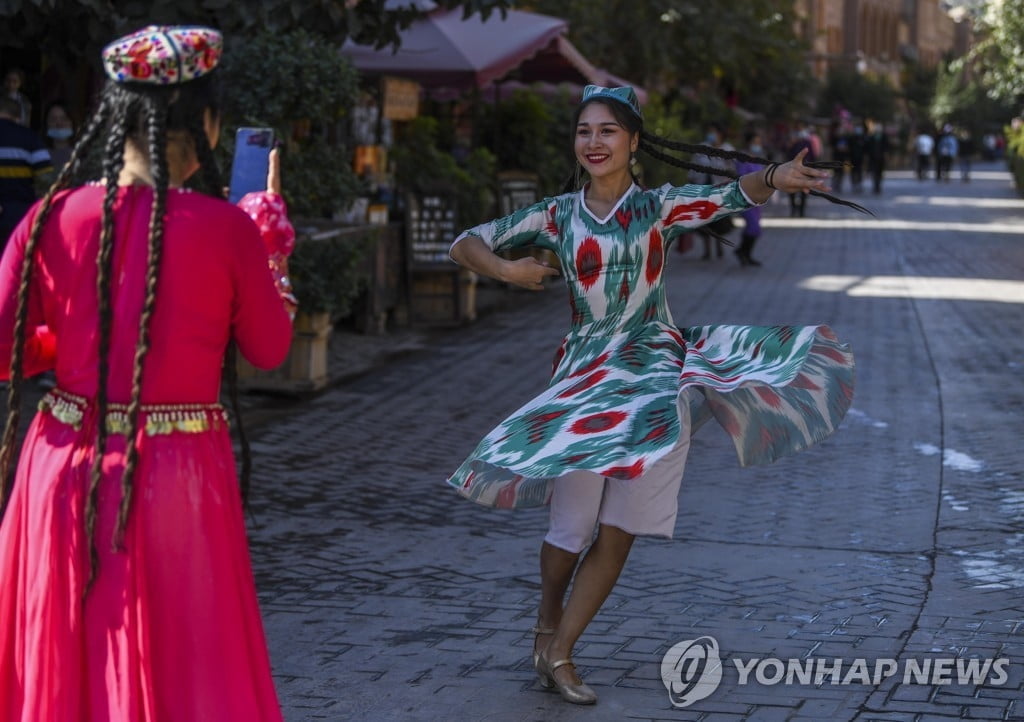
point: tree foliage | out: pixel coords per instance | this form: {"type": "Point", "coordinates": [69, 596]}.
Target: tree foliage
{"type": "Point", "coordinates": [961, 99]}
{"type": "Point", "coordinates": [77, 29]}
{"type": "Point", "coordinates": [999, 57]}
{"type": "Point", "coordinates": [297, 84]}
{"type": "Point", "coordinates": [747, 50]}
{"type": "Point", "coordinates": [863, 95]}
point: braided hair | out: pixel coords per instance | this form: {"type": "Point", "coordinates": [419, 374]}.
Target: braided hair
{"type": "Point", "coordinates": [661, 149]}
{"type": "Point", "coordinates": [141, 115]}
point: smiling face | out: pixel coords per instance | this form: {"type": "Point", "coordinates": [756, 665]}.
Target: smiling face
{"type": "Point", "coordinates": [603, 146]}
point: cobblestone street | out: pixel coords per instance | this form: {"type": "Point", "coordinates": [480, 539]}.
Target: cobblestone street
{"type": "Point", "coordinates": [388, 597]}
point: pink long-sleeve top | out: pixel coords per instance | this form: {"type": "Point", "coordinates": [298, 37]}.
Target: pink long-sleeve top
{"type": "Point", "coordinates": [214, 284]}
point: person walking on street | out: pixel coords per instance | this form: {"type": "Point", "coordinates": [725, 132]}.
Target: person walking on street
{"type": "Point", "coordinates": [947, 149]}
{"type": "Point", "coordinates": [24, 163]}
{"type": "Point", "coordinates": [801, 143]}
{"type": "Point", "coordinates": [924, 146]}
{"type": "Point", "coordinates": [606, 442]}
{"type": "Point", "coordinates": [752, 215]}
{"type": "Point", "coordinates": [967, 151]}
{"type": "Point", "coordinates": [713, 233]}
{"type": "Point", "coordinates": [127, 589]}
{"type": "Point", "coordinates": [876, 151]}
{"type": "Point", "coordinates": [857, 140]}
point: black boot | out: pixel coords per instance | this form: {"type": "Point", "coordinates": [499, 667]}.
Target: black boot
{"type": "Point", "coordinates": [743, 252]}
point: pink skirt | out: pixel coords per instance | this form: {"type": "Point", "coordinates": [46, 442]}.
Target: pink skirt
{"type": "Point", "coordinates": [171, 629]}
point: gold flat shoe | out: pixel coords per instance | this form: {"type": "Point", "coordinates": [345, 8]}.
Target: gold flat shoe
{"type": "Point", "coordinates": [571, 692]}
{"type": "Point", "coordinates": [545, 680]}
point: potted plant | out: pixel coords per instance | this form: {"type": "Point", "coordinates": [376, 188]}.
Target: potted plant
{"type": "Point", "coordinates": [298, 84]}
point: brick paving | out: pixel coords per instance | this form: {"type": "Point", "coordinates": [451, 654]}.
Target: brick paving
{"type": "Point", "coordinates": [387, 597]}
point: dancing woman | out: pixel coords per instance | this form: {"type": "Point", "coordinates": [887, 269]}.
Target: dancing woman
{"type": "Point", "coordinates": [606, 442]}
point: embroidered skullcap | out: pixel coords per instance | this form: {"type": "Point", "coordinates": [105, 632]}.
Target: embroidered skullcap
{"type": "Point", "coordinates": [625, 95]}
{"type": "Point", "coordinates": [163, 54]}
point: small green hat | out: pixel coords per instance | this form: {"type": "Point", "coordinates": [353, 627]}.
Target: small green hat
{"type": "Point", "coordinates": [625, 95]}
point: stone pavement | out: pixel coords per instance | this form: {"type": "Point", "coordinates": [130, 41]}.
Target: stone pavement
{"type": "Point", "coordinates": [388, 597]}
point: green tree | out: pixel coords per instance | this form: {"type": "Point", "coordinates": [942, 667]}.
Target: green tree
{"type": "Point", "coordinates": [918, 88]}
{"type": "Point", "coordinates": [961, 99]}
{"type": "Point", "coordinates": [77, 29]}
{"type": "Point", "coordinates": [296, 83]}
{"type": "Point", "coordinates": [531, 133]}
{"type": "Point", "coordinates": [746, 49]}
{"type": "Point", "coordinates": [862, 95]}
{"type": "Point", "coordinates": [999, 57]}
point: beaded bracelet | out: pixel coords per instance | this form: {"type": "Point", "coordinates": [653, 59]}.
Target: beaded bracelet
{"type": "Point", "coordinates": [769, 175]}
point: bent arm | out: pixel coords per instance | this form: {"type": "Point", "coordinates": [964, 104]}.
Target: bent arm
{"type": "Point", "coordinates": [471, 252]}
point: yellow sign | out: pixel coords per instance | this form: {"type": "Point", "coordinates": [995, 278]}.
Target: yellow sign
{"type": "Point", "coordinates": [401, 98]}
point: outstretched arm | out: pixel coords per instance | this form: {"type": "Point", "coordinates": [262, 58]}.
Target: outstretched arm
{"type": "Point", "coordinates": [472, 253]}
{"type": "Point", "coordinates": [790, 177]}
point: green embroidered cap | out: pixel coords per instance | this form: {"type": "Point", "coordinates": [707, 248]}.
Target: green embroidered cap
{"type": "Point", "coordinates": [625, 95]}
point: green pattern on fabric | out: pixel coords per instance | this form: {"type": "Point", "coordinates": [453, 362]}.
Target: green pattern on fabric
{"type": "Point", "coordinates": [611, 406]}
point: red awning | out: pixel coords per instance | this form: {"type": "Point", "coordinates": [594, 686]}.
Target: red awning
{"type": "Point", "coordinates": [443, 50]}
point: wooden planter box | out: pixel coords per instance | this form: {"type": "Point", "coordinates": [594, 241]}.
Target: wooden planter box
{"type": "Point", "coordinates": [305, 369]}
{"type": "Point", "coordinates": [443, 297]}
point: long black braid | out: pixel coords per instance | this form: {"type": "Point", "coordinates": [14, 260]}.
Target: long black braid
{"type": "Point", "coordinates": [653, 144]}
{"type": "Point", "coordinates": [123, 107]}
{"type": "Point", "coordinates": [155, 107]}
{"type": "Point", "coordinates": [70, 169]}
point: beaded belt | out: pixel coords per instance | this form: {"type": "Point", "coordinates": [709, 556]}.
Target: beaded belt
{"type": "Point", "coordinates": [156, 419]}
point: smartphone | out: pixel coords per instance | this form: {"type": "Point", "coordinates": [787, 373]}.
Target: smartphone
{"type": "Point", "coordinates": [251, 162]}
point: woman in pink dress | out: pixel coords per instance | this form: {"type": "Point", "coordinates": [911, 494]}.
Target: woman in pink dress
{"type": "Point", "coordinates": [127, 592]}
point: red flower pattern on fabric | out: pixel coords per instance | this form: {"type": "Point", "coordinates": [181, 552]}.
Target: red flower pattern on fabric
{"type": "Point", "coordinates": [584, 384]}
{"type": "Point", "coordinates": [596, 423]}
{"type": "Point", "coordinates": [655, 256]}
{"type": "Point", "coordinates": [589, 262]}
{"type": "Point", "coordinates": [696, 210]}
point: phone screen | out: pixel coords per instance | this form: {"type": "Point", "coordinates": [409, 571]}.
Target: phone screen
{"type": "Point", "coordinates": [251, 161]}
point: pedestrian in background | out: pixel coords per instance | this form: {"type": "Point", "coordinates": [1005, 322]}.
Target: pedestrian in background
{"type": "Point", "coordinates": [606, 442]}
{"type": "Point", "coordinates": [24, 162]}
{"type": "Point", "coordinates": [59, 133]}
{"type": "Point", "coordinates": [715, 232]}
{"type": "Point", "coordinates": [127, 590]}
{"type": "Point", "coordinates": [967, 151]}
{"type": "Point", "coordinates": [876, 152]}
{"type": "Point", "coordinates": [856, 141]}
{"type": "Point", "coordinates": [946, 149]}
{"type": "Point", "coordinates": [924, 146]}
{"type": "Point", "coordinates": [800, 141]}
{"type": "Point", "coordinates": [14, 81]}
{"type": "Point", "coordinates": [752, 215]}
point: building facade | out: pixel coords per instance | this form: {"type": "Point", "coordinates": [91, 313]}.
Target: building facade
{"type": "Point", "coordinates": [878, 36]}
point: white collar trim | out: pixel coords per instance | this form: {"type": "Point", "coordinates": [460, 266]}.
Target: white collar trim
{"type": "Point", "coordinates": [611, 213]}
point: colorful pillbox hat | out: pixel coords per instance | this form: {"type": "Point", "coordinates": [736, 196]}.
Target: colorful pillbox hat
{"type": "Point", "coordinates": [625, 95]}
{"type": "Point", "coordinates": [163, 54]}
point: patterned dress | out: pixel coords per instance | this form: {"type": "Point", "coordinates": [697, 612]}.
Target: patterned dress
{"type": "Point", "coordinates": [611, 406]}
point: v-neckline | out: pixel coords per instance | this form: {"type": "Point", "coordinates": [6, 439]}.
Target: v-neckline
{"type": "Point", "coordinates": [611, 213]}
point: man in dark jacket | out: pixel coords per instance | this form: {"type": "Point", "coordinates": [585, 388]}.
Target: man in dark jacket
{"type": "Point", "coordinates": [23, 159]}
{"type": "Point", "coordinates": [876, 148]}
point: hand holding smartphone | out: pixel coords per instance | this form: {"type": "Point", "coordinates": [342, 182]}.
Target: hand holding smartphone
{"type": "Point", "coordinates": [250, 166]}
